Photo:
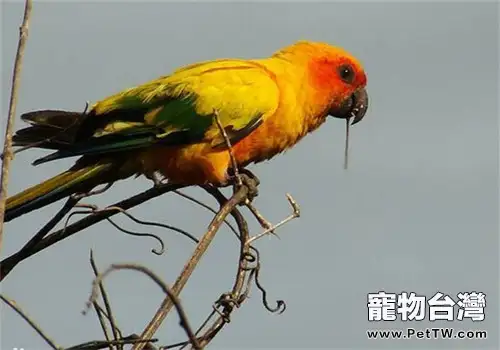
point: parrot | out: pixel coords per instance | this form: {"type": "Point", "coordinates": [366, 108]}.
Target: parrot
{"type": "Point", "coordinates": [180, 126]}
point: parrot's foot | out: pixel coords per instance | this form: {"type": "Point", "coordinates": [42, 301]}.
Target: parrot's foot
{"type": "Point", "coordinates": [155, 178]}
{"type": "Point", "coordinates": [249, 180]}
{"type": "Point", "coordinates": [250, 175]}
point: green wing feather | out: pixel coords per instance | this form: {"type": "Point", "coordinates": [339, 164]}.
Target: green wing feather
{"type": "Point", "coordinates": [177, 110]}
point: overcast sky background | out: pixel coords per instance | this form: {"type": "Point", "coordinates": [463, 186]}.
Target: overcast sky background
{"type": "Point", "coordinates": [417, 210]}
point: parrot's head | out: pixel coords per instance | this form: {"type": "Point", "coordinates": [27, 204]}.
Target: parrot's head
{"type": "Point", "coordinates": [337, 78]}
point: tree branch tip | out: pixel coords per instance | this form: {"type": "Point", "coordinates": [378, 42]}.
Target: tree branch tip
{"type": "Point", "coordinates": [268, 227]}
{"type": "Point", "coordinates": [295, 206]}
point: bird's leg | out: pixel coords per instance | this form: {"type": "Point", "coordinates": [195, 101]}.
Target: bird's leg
{"type": "Point", "coordinates": [238, 175]}
{"type": "Point", "coordinates": [252, 182]}
{"type": "Point", "coordinates": [153, 176]}
{"type": "Point", "coordinates": [250, 175]}
{"type": "Point", "coordinates": [247, 179]}
{"type": "Point", "coordinates": [266, 224]}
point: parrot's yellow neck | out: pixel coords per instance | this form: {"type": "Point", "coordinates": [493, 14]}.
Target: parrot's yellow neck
{"type": "Point", "coordinates": [304, 106]}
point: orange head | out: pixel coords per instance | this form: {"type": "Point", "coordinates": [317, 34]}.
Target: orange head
{"type": "Point", "coordinates": [336, 77]}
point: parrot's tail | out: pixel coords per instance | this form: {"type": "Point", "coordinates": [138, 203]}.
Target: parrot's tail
{"type": "Point", "coordinates": [74, 180]}
{"type": "Point", "coordinates": [49, 129]}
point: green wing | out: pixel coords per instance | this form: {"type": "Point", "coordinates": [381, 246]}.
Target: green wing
{"type": "Point", "coordinates": [178, 110]}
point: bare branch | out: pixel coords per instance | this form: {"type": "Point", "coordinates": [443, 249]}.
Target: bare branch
{"type": "Point", "coordinates": [32, 323]}
{"type": "Point", "coordinates": [71, 202]}
{"type": "Point", "coordinates": [103, 316]}
{"type": "Point", "coordinates": [7, 151]}
{"type": "Point", "coordinates": [280, 304]}
{"type": "Point", "coordinates": [105, 299]}
{"type": "Point", "coordinates": [200, 250]}
{"type": "Point", "coordinates": [206, 206]}
{"type": "Point", "coordinates": [151, 223]}
{"type": "Point", "coordinates": [10, 262]}
{"type": "Point", "coordinates": [229, 148]}
{"type": "Point", "coordinates": [92, 209]}
{"type": "Point", "coordinates": [171, 295]}
{"type": "Point", "coordinates": [295, 214]}
{"type": "Point", "coordinates": [102, 322]}
{"type": "Point", "coordinates": [101, 344]}
{"type": "Point", "coordinates": [260, 218]}
{"type": "Point", "coordinates": [37, 238]}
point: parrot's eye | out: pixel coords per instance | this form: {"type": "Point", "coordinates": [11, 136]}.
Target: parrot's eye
{"type": "Point", "coordinates": [346, 73]}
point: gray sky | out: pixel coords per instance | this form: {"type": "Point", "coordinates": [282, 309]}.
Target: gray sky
{"type": "Point", "coordinates": [417, 210]}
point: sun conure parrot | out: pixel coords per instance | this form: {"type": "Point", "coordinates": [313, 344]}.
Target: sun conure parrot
{"type": "Point", "coordinates": [167, 125]}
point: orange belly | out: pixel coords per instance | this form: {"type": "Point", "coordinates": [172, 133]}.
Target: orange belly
{"type": "Point", "coordinates": [190, 165]}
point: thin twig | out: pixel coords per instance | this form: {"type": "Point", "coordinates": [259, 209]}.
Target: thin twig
{"type": "Point", "coordinates": [280, 304]}
{"type": "Point", "coordinates": [92, 209]}
{"type": "Point", "coordinates": [206, 206]}
{"type": "Point", "coordinates": [141, 234]}
{"type": "Point", "coordinates": [105, 299]}
{"type": "Point", "coordinates": [170, 294]}
{"type": "Point", "coordinates": [151, 223]}
{"type": "Point", "coordinates": [26, 250]}
{"type": "Point", "coordinates": [295, 214]}
{"type": "Point", "coordinates": [203, 325]}
{"type": "Point", "coordinates": [266, 224]}
{"type": "Point", "coordinates": [229, 148]}
{"type": "Point", "coordinates": [102, 322]}
{"type": "Point", "coordinates": [70, 203]}
{"type": "Point", "coordinates": [32, 323]}
{"type": "Point", "coordinates": [100, 344]}
{"type": "Point", "coordinates": [105, 314]}
{"type": "Point", "coordinates": [7, 151]}
{"type": "Point", "coordinates": [188, 269]}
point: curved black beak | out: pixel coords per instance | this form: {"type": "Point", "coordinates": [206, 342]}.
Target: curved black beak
{"type": "Point", "coordinates": [353, 107]}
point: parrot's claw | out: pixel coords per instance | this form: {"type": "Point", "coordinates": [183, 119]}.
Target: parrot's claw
{"type": "Point", "coordinates": [250, 176]}
{"type": "Point", "coordinates": [249, 180]}
{"type": "Point", "coordinates": [155, 178]}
